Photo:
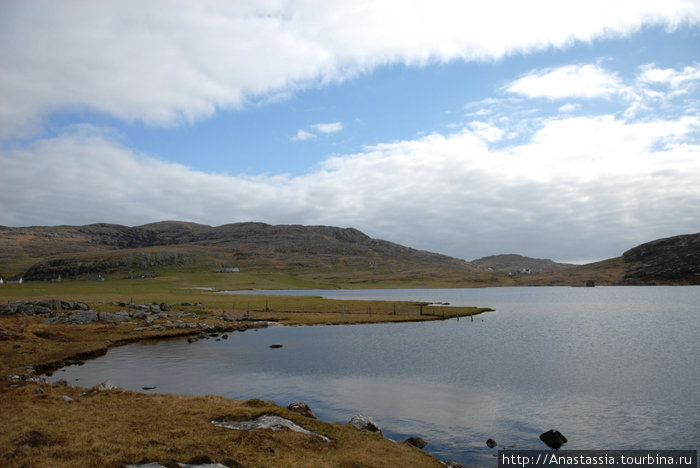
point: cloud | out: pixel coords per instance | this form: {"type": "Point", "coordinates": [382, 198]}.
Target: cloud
{"type": "Point", "coordinates": [580, 187]}
{"type": "Point", "coordinates": [177, 62]}
{"type": "Point", "coordinates": [572, 81]}
{"type": "Point", "coordinates": [303, 135]}
{"type": "Point", "coordinates": [328, 127]}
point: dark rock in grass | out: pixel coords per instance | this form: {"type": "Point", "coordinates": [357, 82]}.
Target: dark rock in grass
{"type": "Point", "coordinates": [301, 408]}
{"type": "Point", "coordinates": [553, 438]}
{"type": "Point", "coordinates": [365, 423]}
{"type": "Point", "coordinates": [491, 443]}
{"type": "Point", "coordinates": [275, 346]}
{"type": "Point", "coordinates": [416, 442]}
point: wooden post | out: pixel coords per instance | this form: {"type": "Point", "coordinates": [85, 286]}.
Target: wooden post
{"type": "Point", "coordinates": [394, 308]}
{"type": "Point", "coordinates": [420, 311]}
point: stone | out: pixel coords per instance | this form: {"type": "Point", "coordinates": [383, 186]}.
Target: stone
{"type": "Point", "coordinates": [165, 307]}
{"type": "Point", "coordinates": [106, 385]}
{"type": "Point", "coordinates": [301, 408]}
{"type": "Point", "coordinates": [192, 340]}
{"type": "Point", "coordinates": [553, 438]}
{"type": "Point", "coordinates": [275, 346]}
{"type": "Point", "coordinates": [81, 318]}
{"type": "Point", "coordinates": [416, 442]}
{"type": "Point", "coordinates": [491, 443]}
{"type": "Point", "coordinates": [110, 317]}
{"type": "Point", "coordinates": [268, 421]}
{"type": "Point", "coordinates": [67, 399]}
{"type": "Point", "coordinates": [139, 314]}
{"type": "Point", "coordinates": [364, 423]}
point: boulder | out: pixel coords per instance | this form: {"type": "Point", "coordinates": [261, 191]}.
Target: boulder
{"type": "Point", "coordinates": [66, 399]}
{"type": "Point", "coordinates": [553, 438]}
{"type": "Point", "coordinates": [301, 408]}
{"type": "Point", "coordinates": [416, 442]}
{"type": "Point", "coordinates": [104, 386]}
{"type": "Point", "coordinates": [491, 443]}
{"type": "Point", "coordinates": [81, 318]}
{"type": "Point", "coordinates": [110, 317]}
{"type": "Point", "coordinates": [364, 423]}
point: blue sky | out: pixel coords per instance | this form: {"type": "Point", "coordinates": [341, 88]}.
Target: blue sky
{"type": "Point", "coordinates": [565, 130]}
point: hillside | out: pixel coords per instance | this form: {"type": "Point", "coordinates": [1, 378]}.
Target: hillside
{"type": "Point", "coordinates": [314, 256]}
{"type": "Point", "coordinates": [512, 262]}
{"type": "Point", "coordinates": [43, 253]}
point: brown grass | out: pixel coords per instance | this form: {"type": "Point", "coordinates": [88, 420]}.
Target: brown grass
{"type": "Point", "coordinates": [114, 428]}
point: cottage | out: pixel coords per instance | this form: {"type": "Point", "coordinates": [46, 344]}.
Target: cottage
{"type": "Point", "coordinates": [14, 280]}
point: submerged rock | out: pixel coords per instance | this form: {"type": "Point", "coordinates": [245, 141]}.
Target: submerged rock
{"type": "Point", "coordinates": [491, 443]}
{"type": "Point", "coordinates": [553, 439]}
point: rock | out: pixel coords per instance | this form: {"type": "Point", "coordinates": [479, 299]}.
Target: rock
{"type": "Point", "coordinates": [224, 336]}
{"type": "Point", "coordinates": [104, 386]}
{"type": "Point", "coordinates": [491, 443]}
{"type": "Point", "coordinates": [268, 421]}
{"type": "Point", "coordinates": [301, 408]}
{"type": "Point", "coordinates": [165, 307]}
{"type": "Point", "coordinates": [416, 442]}
{"type": "Point", "coordinates": [139, 314]}
{"type": "Point", "coordinates": [67, 399]}
{"type": "Point", "coordinates": [110, 317]}
{"type": "Point", "coordinates": [37, 390]}
{"type": "Point", "coordinates": [62, 382]}
{"type": "Point", "coordinates": [275, 346]}
{"type": "Point", "coordinates": [364, 423]}
{"type": "Point", "coordinates": [553, 439]}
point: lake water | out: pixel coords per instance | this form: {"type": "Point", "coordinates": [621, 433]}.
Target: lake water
{"type": "Point", "coordinates": [609, 367]}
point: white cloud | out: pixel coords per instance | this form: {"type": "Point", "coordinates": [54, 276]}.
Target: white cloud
{"type": "Point", "coordinates": [328, 127]}
{"type": "Point", "coordinates": [303, 135]}
{"type": "Point", "coordinates": [175, 62]}
{"type": "Point", "coordinates": [569, 108]}
{"type": "Point", "coordinates": [579, 188]}
{"type": "Point", "coordinates": [570, 81]}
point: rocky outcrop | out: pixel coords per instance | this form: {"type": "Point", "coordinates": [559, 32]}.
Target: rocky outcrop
{"type": "Point", "coordinates": [43, 307]}
{"type": "Point", "coordinates": [664, 261]}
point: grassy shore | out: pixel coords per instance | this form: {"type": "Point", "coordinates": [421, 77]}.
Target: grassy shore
{"type": "Point", "coordinates": [113, 428]}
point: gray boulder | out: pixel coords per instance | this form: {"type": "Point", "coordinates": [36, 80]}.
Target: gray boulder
{"type": "Point", "coordinates": [364, 423]}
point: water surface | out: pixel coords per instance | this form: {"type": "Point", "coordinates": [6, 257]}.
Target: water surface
{"type": "Point", "coordinates": [609, 367]}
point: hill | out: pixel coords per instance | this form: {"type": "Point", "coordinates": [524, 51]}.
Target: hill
{"type": "Point", "coordinates": [44, 253]}
{"type": "Point", "coordinates": [512, 262]}
{"type": "Point", "coordinates": [313, 256]}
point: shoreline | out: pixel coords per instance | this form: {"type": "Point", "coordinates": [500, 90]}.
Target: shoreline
{"type": "Point", "coordinates": [33, 348]}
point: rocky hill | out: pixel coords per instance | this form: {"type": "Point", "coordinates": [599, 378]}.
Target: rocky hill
{"type": "Point", "coordinates": [512, 262]}
{"type": "Point", "coordinates": [72, 251]}
{"type": "Point", "coordinates": [670, 260]}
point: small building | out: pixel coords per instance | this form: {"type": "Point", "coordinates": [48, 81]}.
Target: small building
{"type": "Point", "coordinates": [94, 277]}
{"type": "Point", "coordinates": [228, 270]}
{"type": "Point", "coordinates": [14, 280]}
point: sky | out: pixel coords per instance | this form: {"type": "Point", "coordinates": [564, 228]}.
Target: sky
{"type": "Point", "coordinates": [554, 129]}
